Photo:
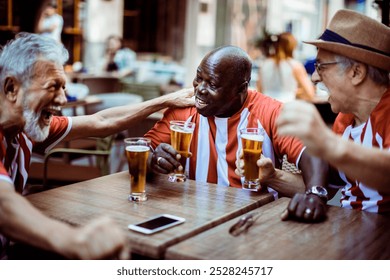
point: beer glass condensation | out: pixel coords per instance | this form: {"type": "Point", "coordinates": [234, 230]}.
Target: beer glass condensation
{"type": "Point", "coordinates": [181, 136]}
{"type": "Point", "coordinates": [252, 143]}
{"type": "Point", "coordinates": [137, 152]}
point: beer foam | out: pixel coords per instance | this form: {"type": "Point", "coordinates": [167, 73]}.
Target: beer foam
{"type": "Point", "coordinates": [181, 129]}
{"type": "Point", "coordinates": [137, 148]}
{"type": "Point", "coordinates": [253, 137]}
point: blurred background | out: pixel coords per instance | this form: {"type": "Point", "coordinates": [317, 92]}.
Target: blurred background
{"type": "Point", "coordinates": [170, 37]}
{"type": "Point", "coordinates": [127, 51]}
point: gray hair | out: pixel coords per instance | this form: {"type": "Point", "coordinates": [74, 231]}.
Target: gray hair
{"type": "Point", "coordinates": [379, 76]}
{"type": "Point", "coordinates": [18, 57]}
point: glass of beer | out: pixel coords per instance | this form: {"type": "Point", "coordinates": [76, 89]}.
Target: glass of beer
{"type": "Point", "coordinates": [181, 135]}
{"type": "Point", "coordinates": [252, 142]}
{"type": "Point", "coordinates": [137, 152]}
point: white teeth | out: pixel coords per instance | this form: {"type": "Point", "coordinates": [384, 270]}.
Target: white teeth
{"type": "Point", "coordinates": [201, 102]}
{"type": "Point", "coordinates": [54, 109]}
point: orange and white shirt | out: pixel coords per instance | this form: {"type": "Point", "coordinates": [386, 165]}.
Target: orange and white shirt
{"type": "Point", "coordinates": [216, 141]}
{"type": "Point", "coordinates": [15, 153]}
{"type": "Point", "coordinates": [374, 133]}
{"type": "Point", "coordinates": [15, 156]}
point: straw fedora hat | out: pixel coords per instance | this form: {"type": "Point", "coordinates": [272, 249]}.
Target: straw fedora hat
{"type": "Point", "coordinates": [358, 37]}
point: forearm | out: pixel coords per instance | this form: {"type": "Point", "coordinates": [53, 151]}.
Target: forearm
{"type": "Point", "coordinates": [114, 120]}
{"type": "Point", "coordinates": [117, 119]}
{"type": "Point", "coordinates": [20, 221]}
{"type": "Point", "coordinates": [314, 170]}
{"type": "Point", "coordinates": [368, 165]}
{"type": "Point", "coordinates": [285, 183]}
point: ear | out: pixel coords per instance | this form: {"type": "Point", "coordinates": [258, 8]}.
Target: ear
{"type": "Point", "coordinates": [11, 88]}
{"type": "Point", "coordinates": [358, 73]}
{"type": "Point", "coordinates": [244, 87]}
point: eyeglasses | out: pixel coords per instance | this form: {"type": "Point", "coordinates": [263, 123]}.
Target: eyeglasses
{"type": "Point", "coordinates": [319, 66]}
{"type": "Point", "coordinates": [243, 224]}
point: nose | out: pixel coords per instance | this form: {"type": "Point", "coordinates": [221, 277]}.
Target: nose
{"type": "Point", "coordinates": [315, 77]}
{"type": "Point", "coordinates": [201, 88]}
{"type": "Point", "coordinates": [60, 98]}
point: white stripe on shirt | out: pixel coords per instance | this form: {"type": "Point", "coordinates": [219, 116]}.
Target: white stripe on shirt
{"type": "Point", "coordinates": [221, 140]}
{"type": "Point", "coordinates": [62, 137]}
{"type": "Point", "coordinates": [203, 151]}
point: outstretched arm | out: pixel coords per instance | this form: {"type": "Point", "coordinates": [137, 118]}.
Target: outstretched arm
{"type": "Point", "coordinates": [20, 221]}
{"type": "Point", "coordinates": [116, 119]}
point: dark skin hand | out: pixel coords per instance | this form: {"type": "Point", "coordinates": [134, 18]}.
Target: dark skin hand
{"type": "Point", "coordinates": [309, 207]}
{"type": "Point", "coordinates": [169, 159]}
{"type": "Point", "coordinates": [305, 208]}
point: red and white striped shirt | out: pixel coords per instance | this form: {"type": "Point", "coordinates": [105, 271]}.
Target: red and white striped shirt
{"type": "Point", "coordinates": [374, 133]}
{"type": "Point", "coordinates": [216, 141]}
{"type": "Point", "coordinates": [15, 153]}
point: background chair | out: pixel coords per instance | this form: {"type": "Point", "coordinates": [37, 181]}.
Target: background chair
{"type": "Point", "coordinates": [147, 90]}
{"type": "Point", "coordinates": [64, 164]}
{"type": "Point", "coordinates": [101, 84]}
{"type": "Point", "coordinates": [113, 99]}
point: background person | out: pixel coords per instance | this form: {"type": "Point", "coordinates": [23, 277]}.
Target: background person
{"type": "Point", "coordinates": [353, 64]}
{"type": "Point", "coordinates": [118, 59]}
{"type": "Point", "coordinates": [32, 80]}
{"type": "Point", "coordinates": [280, 75]}
{"type": "Point", "coordinates": [51, 23]}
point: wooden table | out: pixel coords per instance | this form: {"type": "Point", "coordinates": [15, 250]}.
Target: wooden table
{"type": "Point", "coordinates": [203, 206]}
{"type": "Point", "coordinates": [346, 234]}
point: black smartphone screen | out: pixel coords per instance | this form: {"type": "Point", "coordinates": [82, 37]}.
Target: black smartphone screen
{"type": "Point", "coordinates": [157, 222]}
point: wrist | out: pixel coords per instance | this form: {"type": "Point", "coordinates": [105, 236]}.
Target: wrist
{"type": "Point", "coordinates": [62, 241]}
{"type": "Point", "coordinates": [318, 191]}
{"type": "Point", "coordinates": [333, 147]}
{"type": "Point", "coordinates": [272, 178]}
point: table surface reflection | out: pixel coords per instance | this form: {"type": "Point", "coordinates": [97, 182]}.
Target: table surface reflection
{"type": "Point", "coordinates": [203, 205]}
{"type": "Point", "coordinates": [346, 234]}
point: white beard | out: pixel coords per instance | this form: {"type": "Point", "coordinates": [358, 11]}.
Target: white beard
{"type": "Point", "coordinates": [32, 128]}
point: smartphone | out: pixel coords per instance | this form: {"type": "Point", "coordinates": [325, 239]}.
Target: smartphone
{"type": "Point", "coordinates": [157, 223]}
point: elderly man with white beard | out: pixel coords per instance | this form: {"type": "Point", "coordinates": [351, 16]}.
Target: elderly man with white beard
{"type": "Point", "coordinates": [32, 85]}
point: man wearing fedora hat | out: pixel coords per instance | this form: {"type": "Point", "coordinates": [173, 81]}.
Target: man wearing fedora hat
{"type": "Point", "coordinates": [352, 64]}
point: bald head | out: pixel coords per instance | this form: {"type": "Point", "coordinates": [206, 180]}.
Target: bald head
{"type": "Point", "coordinates": [235, 59]}
{"type": "Point", "coordinates": [221, 82]}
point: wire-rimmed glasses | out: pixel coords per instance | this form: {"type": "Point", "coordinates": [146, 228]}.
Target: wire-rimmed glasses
{"type": "Point", "coordinates": [319, 66]}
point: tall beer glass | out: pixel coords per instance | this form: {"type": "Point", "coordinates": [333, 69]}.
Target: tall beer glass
{"type": "Point", "coordinates": [137, 152]}
{"type": "Point", "coordinates": [252, 142]}
{"type": "Point", "coordinates": [181, 135]}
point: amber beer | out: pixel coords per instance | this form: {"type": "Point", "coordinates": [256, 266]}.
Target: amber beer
{"type": "Point", "coordinates": [137, 152]}
{"type": "Point", "coordinates": [252, 142]}
{"type": "Point", "coordinates": [181, 135]}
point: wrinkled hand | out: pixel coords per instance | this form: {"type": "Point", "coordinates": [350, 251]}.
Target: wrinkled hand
{"type": "Point", "coordinates": [181, 98]}
{"type": "Point", "coordinates": [165, 159]}
{"type": "Point", "coordinates": [266, 168]}
{"type": "Point", "coordinates": [100, 239]}
{"type": "Point", "coordinates": [302, 120]}
{"type": "Point", "coordinates": [305, 208]}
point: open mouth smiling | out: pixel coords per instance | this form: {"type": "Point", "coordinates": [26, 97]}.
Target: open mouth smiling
{"type": "Point", "coordinates": [200, 103]}
{"type": "Point", "coordinates": [47, 113]}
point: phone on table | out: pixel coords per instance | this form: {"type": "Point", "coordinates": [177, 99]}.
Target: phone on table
{"type": "Point", "coordinates": [157, 223]}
